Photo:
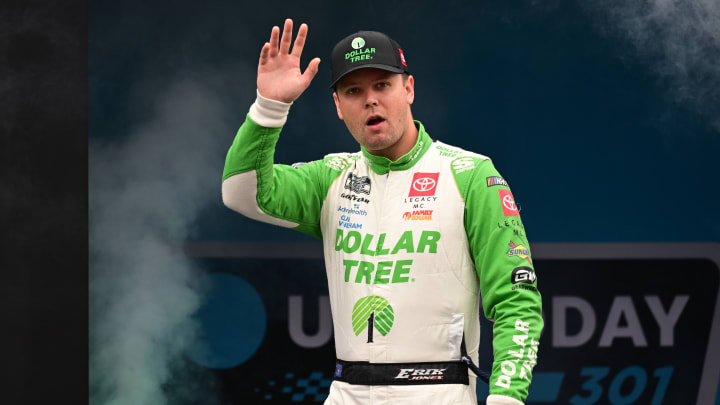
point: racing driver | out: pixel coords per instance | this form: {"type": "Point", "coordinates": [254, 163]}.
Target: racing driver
{"type": "Point", "coordinates": [413, 231]}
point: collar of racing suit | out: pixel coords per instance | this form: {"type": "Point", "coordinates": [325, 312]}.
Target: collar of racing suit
{"type": "Point", "coordinates": [382, 165]}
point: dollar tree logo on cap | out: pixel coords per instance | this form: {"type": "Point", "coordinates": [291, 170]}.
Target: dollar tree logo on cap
{"type": "Point", "coordinates": [358, 43]}
{"type": "Point", "coordinates": [359, 53]}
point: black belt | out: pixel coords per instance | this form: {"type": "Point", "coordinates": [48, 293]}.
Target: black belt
{"type": "Point", "coordinates": [447, 372]}
{"type": "Point", "coordinates": [366, 373]}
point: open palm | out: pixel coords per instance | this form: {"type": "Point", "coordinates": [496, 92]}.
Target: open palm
{"type": "Point", "coordinates": [279, 76]}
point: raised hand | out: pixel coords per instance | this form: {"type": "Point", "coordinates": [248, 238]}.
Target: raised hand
{"type": "Point", "coordinates": [279, 76]}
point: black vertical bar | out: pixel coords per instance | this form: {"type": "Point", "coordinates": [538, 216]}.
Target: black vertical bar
{"type": "Point", "coordinates": [371, 320]}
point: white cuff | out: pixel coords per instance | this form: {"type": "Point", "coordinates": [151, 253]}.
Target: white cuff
{"type": "Point", "coordinates": [501, 400]}
{"type": "Point", "coordinates": [269, 113]}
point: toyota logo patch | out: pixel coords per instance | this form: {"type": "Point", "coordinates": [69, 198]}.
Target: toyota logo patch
{"type": "Point", "coordinates": [423, 184]}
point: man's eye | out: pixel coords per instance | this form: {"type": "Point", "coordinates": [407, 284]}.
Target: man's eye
{"type": "Point", "coordinates": [352, 90]}
{"type": "Point", "coordinates": [383, 84]}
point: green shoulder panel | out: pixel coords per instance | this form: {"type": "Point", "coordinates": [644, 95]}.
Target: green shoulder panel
{"type": "Point", "coordinates": [503, 261]}
{"type": "Point", "coordinates": [293, 193]}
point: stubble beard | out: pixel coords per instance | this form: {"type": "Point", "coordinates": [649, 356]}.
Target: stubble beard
{"type": "Point", "coordinates": [389, 137]}
{"type": "Point", "coordinates": [378, 142]}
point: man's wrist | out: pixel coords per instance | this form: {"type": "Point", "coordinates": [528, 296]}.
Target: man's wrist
{"type": "Point", "coordinates": [269, 113]}
{"type": "Point", "coordinates": [501, 400]}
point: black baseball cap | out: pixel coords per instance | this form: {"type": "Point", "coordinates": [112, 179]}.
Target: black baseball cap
{"type": "Point", "coordinates": [366, 49]}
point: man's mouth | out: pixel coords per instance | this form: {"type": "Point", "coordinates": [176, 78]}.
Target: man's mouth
{"type": "Point", "coordinates": [374, 121]}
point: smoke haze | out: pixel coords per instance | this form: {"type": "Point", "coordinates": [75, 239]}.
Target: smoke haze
{"type": "Point", "coordinates": [681, 38]}
{"type": "Point", "coordinates": [145, 193]}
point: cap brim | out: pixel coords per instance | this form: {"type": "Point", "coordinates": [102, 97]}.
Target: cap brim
{"type": "Point", "coordinates": [369, 65]}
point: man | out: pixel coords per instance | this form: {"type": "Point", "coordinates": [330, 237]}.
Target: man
{"type": "Point", "coordinates": [413, 230]}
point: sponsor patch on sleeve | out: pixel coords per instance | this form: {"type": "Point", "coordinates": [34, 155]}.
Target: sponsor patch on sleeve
{"type": "Point", "coordinates": [519, 251]}
{"type": "Point", "coordinates": [523, 274]}
{"type": "Point", "coordinates": [463, 164]}
{"type": "Point", "coordinates": [496, 181]}
{"type": "Point", "coordinates": [508, 203]}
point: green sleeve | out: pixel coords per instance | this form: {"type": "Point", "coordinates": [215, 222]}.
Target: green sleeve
{"type": "Point", "coordinates": [291, 193]}
{"type": "Point", "coordinates": [508, 285]}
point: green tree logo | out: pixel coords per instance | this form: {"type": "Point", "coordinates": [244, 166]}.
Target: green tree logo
{"type": "Point", "coordinates": [372, 312]}
{"type": "Point", "coordinates": [358, 43]}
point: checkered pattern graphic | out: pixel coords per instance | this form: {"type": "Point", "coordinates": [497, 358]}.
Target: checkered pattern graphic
{"type": "Point", "coordinates": [314, 388]}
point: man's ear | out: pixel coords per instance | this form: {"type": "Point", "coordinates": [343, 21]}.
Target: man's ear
{"type": "Point", "coordinates": [337, 105]}
{"type": "Point", "coordinates": [410, 89]}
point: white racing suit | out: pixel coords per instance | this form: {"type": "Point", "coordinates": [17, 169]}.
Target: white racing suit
{"type": "Point", "coordinates": [409, 246]}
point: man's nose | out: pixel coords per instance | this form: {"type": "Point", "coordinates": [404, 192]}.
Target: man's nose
{"type": "Point", "coordinates": [371, 99]}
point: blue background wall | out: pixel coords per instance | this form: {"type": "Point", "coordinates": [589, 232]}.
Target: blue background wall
{"type": "Point", "coordinates": [603, 116]}
{"type": "Point", "coordinates": [593, 137]}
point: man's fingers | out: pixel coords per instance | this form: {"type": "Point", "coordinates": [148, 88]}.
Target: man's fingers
{"type": "Point", "coordinates": [274, 35]}
{"type": "Point", "coordinates": [311, 70]}
{"type": "Point", "coordinates": [264, 52]}
{"type": "Point", "coordinates": [300, 40]}
{"type": "Point", "coordinates": [286, 37]}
